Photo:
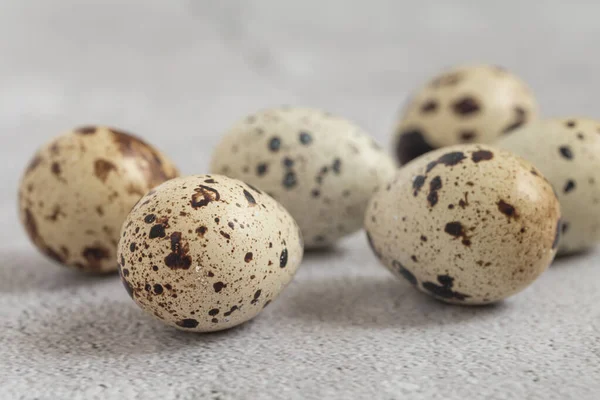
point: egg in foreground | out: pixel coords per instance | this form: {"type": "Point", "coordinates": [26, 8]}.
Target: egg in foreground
{"type": "Point", "coordinates": [467, 224]}
{"type": "Point", "coordinates": [78, 189]}
{"type": "Point", "coordinates": [204, 253]}
{"type": "Point", "coordinates": [320, 167]}
{"type": "Point", "coordinates": [466, 104]}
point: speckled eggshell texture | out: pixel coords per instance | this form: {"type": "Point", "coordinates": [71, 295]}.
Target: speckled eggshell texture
{"type": "Point", "coordinates": [78, 189]}
{"type": "Point", "coordinates": [205, 253]}
{"type": "Point", "coordinates": [567, 152]}
{"type": "Point", "coordinates": [467, 224]}
{"type": "Point", "coordinates": [467, 104]}
{"type": "Point", "coordinates": [322, 168]}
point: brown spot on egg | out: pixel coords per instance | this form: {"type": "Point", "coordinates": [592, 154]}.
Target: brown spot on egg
{"type": "Point", "coordinates": [189, 323]}
{"type": "Point", "coordinates": [86, 130]}
{"type": "Point", "coordinates": [55, 169]}
{"type": "Point", "coordinates": [411, 144]}
{"type": "Point", "coordinates": [467, 135]}
{"type": "Point", "coordinates": [248, 257]}
{"type": "Point", "coordinates": [203, 196]}
{"type": "Point", "coordinates": [283, 258]}
{"type": "Point", "coordinates": [178, 258]}
{"type": "Point", "coordinates": [250, 198]}
{"type": "Point", "coordinates": [102, 168]}
{"type": "Point", "coordinates": [434, 186]}
{"type": "Point", "coordinates": [146, 158]}
{"type": "Point", "coordinates": [429, 106]}
{"type": "Point", "coordinates": [449, 160]}
{"type": "Point", "coordinates": [457, 230]}
{"type": "Point", "coordinates": [444, 288]}
{"type": "Point", "coordinates": [463, 203]}
{"type": "Point", "coordinates": [218, 286]}
{"type": "Point", "coordinates": [507, 209]}
{"type": "Point", "coordinates": [157, 231]}
{"type": "Point", "coordinates": [481, 155]}
{"type": "Point", "coordinates": [94, 256]}
{"type": "Point", "coordinates": [256, 297]}
{"type": "Point", "coordinates": [566, 152]}
{"type": "Point", "coordinates": [569, 186]}
{"type": "Point", "coordinates": [466, 106]}
{"type": "Point", "coordinates": [418, 183]}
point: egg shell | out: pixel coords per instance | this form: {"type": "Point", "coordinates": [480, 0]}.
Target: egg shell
{"type": "Point", "coordinates": [320, 167]}
{"type": "Point", "coordinates": [466, 104]}
{"type": "Point", "coordinates": [567, 152]}
{"type": "Point", "coordinates": [467, 224]}
{"type": "Point", "coordinates": [204, 253]}
{"type": "Point", "coordinates": [78, 189]}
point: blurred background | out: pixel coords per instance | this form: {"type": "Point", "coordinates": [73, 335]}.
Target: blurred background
{"type": "Point", "coordinates": [180, 72]}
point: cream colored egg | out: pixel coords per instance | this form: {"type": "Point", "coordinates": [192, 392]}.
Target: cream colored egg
{"type": "Point", "coordinates": [320, 167]}
{"type": "Point", "coordinates": [567, 152]}
{"type": "Point", "coordinates": [467, 224]}
{"type": "Point", "coordinates": [205, 253]}
{"type": "Point", "coordinates": [78, 189]}
{"type": "Point", "coordinates": [473, 103]}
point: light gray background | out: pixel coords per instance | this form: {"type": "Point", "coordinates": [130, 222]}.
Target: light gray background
{"type": "Point", "coordinates": [180, 73]}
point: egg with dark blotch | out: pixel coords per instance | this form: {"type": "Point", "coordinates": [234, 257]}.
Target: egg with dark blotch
{"type": "Point", "coordinates": [205, 252]}
{"type": "Point", "coordinates": [467, 224]}
{"type": "Point", "coordinates": [567, 152]}
{"type": "Point", "coordinates": [78, 189]}
{"type": "Point", "coordinates": [319, 166]}
{"type": "Point", "coordinates": [465, 104]}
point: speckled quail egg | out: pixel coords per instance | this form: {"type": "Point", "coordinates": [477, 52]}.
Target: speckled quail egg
{"type": "Point", "coordinates": [322, 168]}
{"type": "Point", "coordinates": [567, 152]}
{"type": "Point", "coordinates": [467, 224]}
{"type": "Point", "coordinates": [467, 104]}
{"type": "Point", "coordinates": [206, 252]}
{"type": "Point", "coordinates": [78, 189]}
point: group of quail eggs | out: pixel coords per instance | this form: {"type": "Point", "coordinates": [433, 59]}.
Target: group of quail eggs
{"type": "Point", "coordinates": [486, 195]}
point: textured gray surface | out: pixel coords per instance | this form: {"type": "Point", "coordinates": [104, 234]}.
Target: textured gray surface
{"type": "Point", "coordinates": [179, 73]}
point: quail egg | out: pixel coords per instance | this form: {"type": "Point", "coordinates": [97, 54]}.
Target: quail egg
{"type": "Point", "coordinates": [467, 224]}
{"type": "Point", "coordinates": [78, 189]}
{"type": "Point", "coordinates": [205, 253]}
{"type": "Point", "coordinates": [567, 152]}
{"type": "Point", "coordinates": [467, 104]}
{"type": "Point", "coordinates": [322, 168]}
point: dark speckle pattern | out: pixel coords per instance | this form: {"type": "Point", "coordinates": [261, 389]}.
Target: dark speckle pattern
{"type": "Point", "coordinates": [488, 240]}
{"type": "Point", "coordinates": [466, 106]}
{"type": "Point", "coordinates": [444, 288]}
{"type": "Point", "coordinates": [411, 144]}
{"type": "Point", "coordinates": [566, 152]}
{"type": "Point", "coordinates": [205, 269]}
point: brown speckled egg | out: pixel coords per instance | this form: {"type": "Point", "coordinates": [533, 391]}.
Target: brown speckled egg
{"type": "Point", "coordinates": [206, 252]}
{"type": "Point", "coordinates": [467, 224]}
{"type": "Point", "coordinates": [78, 189]}
{"type": "Point", "coordinates": [322, 168]}
{"type": "Point", "coordinates": [466, 104]}
{"type": "Point", "coordinates": [567, 152]}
